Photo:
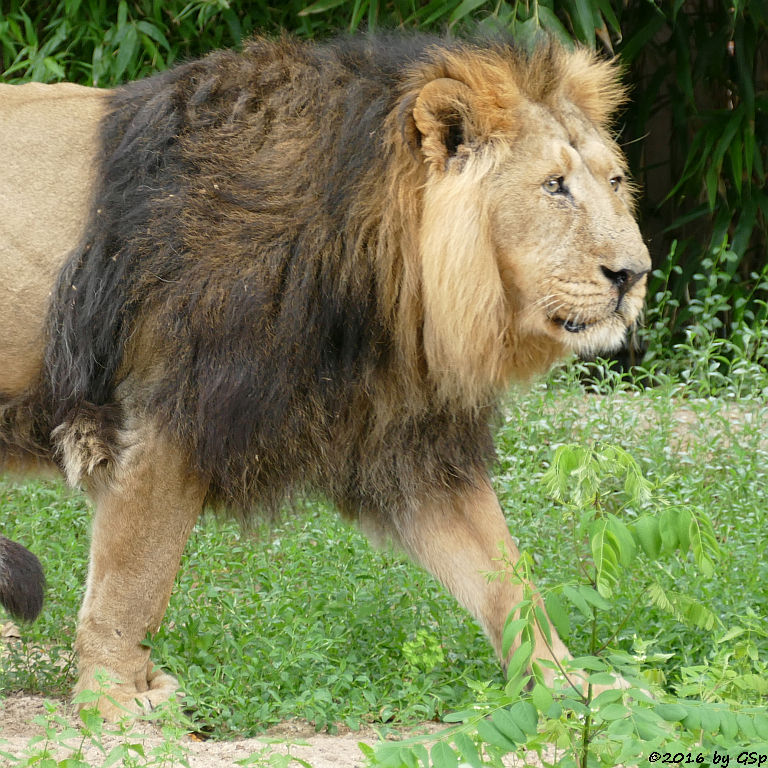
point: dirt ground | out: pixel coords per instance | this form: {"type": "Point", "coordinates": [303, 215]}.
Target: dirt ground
{"type": "Point", "coordinates": [299, 740]}
{"type": "Point", "coordinates": [295, 739]}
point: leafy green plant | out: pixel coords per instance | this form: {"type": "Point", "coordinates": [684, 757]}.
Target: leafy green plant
{"type": "Point", "coordinates": [625, 530]}
{"type": "Point", "coordinates": [725, 343]}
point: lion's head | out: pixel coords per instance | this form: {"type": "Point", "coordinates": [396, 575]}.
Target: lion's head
{"type": "Point", "coordinates": [529, 248]}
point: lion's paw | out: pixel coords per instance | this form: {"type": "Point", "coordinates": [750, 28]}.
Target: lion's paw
{"type": "Point", "coordinates": [120, 700]}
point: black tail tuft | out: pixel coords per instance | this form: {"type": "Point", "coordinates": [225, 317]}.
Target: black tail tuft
{"type": "Point", "coordinates": [21, 581]}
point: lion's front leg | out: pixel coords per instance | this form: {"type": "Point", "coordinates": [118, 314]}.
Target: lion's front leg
{"type": "Point", "coordinates": [458, 540]}
{"type": "Point", "coordinates": [144, 513]}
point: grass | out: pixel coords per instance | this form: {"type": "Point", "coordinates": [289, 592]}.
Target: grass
{"type": "Point", "coordinates": [307, 621]}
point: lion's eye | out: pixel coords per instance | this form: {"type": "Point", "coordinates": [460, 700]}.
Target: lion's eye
{"type": "Point", "coordinates": [615, 182]}
{"type": "Point", "coordinates": [555, 185]}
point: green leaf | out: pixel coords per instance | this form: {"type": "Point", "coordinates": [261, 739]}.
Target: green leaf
{"type": "Point", "coordinates": [122, 13]}
{"type": "Point", "coordinates": [749, 152]}
{"type": "Point", "coordinates": [117, 754]}
{"type": "Point", "coordinates": [126, 52]}
{"type": "Point", "coordinates": [573, 595]}
{"type": "Point", "coordinates": [468, 750]}
{"type": "Point", "coordinates": [638, 42]}
{"type": "Point", "coordinates": [647, 725]}
{"type": "Point", "coordinates": [585, 21]}
{"type": "Point", "coordinates": [729, 726]}
{"type": "Point", "coordinates": [443, 756]}
{"type": "Point", "coordinates": [684, 518]}
{"type": "Point", "coordinates": [465, 8]}
{"type": "Point", "coordinates": [554, 26]}
{"type": "Point", "coordinates": [588, 662]}
{"type": "Point", "coordinates": [460, 717]}
{"type": "Point", "coordinates": [613, 712]}
{"type": "Point", "coordinates": [609, 15]}
{"type": "Point", "coordinates": [747, 726]}
{"type": "Point", "coordinates": [605, 553]}
{"type": "Point", "coordinates": [646, 532]}
{"type": "Point", "coordinates": [321, 6]}
{"type": "Point", "coordinates": [736, 156]}
{"type": "Point", "coordinates": [620, 728]}
{"type": "Point", "coordinates": [607, 697]}
{"type": "Point", "coordinates": [150, 30]}
{"type": "Point", "coordinates": [54, 67]}
{"type": "Point", "coordinates": [710, 719]}
{"type": "Point", "coordinates": [506, 725]}
{"type": "Point", "coordinates": [670, 538]}
{"type": "Point", "coordinates": [543, 622]}
{"type": "Point", "coordinates": [671, 712]}
{"type": "Point", "coordinates": [594, 598]}
{"type": "Point", "coordinates": [512, 628]}
{"type": "Point", "coordinates": [711, 181]}
{"type": "Point", "coordinates": [542, 698]}
{"type": "Point", "coordinates": [520, 659]}
{"type": "Point", "coordinates": [627, 548]}
{"type": "Point", "coordinates": [366, 749]}
{"type": "Point", "coordinates": [557, 614]}
{"type": "Point", "coordinates": [692, 720]}
{"type": "Point", "coordinates": [703, 544]}
{"type": "Point", "coordinates": [761, 726]}
{"type": "Point", "coordinates": [558, 478]}
{"type": "Point", "coordinates": [602, 678]}
{"type": "Point", "coordinates": [524, 714]}
{"type": "Point", "coordinates": [491, 735]}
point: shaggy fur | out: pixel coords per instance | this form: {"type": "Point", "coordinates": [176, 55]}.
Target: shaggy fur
{"type": "Point", "coordinates": [317, 267]}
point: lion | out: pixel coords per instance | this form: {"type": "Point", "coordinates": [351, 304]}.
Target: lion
{"type": "Point", "coordinates": [301, 267]}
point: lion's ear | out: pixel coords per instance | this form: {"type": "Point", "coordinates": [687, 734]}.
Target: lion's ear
{"type": "Point", "coordinates": [443, 118]}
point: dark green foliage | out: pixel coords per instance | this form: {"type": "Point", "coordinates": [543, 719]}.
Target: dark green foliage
{"type": "Point", "coordinates": [697, 136]}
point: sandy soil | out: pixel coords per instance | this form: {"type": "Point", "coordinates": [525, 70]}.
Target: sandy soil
{"type": "Point", "coordinates": [298, 740]}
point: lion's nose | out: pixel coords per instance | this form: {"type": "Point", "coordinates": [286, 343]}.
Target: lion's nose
{"type": "Point", "coordinates": [623, 279]}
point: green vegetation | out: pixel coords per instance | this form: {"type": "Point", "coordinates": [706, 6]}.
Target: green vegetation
{"type": "Point", "coordinates": [636, 550]}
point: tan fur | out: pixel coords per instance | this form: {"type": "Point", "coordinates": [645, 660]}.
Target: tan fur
{"type": "Point", "coordinates": [479, 272]}
{"type": "Point", "coordinates": [142, 520]}
{"type": "Point", "coordinates": [49, 143]}
{"type": "Point", "coordinates": [465, 544]}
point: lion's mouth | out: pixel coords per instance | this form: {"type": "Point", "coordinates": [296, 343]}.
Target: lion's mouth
{"type": "Point", "coordinates": [570, 325]}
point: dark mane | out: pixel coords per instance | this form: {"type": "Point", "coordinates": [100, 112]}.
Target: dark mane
{"type": "Point", "coordinates": [228, 286]}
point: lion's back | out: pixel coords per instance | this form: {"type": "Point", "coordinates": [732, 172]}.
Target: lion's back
{"type": "Point", "coordinates": [49, 145]}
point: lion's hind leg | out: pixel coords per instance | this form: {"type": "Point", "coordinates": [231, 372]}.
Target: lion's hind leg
{"type": "Point", "coordinates": [146, 502]}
